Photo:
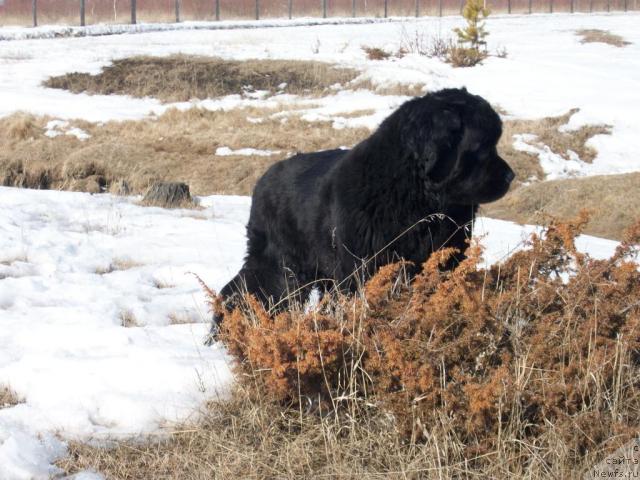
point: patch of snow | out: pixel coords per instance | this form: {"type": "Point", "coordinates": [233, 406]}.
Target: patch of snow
{"type": "Point", "coordinates": [24, 456]}
{"type": "Point", "coordinates": [64, 349]}
{"type": "Point", "coordinates": [226, 151]}
{"type": "Point", "coordinates": [55, 128]}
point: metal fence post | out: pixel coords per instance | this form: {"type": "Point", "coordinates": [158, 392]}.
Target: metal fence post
{"type": "Point", "coordinates": [290, 9]}
{"type": "Point", "coordinates": [34, 12]}
{"type": "Point", "coordinates": [571, 7]}
{"type": "Point", "coordinates": [353, 8]}
{"type": "Point", "coordinates": [82, 17]}
{"type": "Point", "coordinates": [417, 8]}
{"type": "Point", "coordinates": [509, 6]}
{"type": "Point", "coordinates": [608, 6]}
{"type": "Point", "coordinates": [386, 8]}
{"type": "Point", "coordinates": [177, 11]}
{"type": "Point", "coordinates": [439, 8]}
{"type": "Point", "coordinates": [529, 7]}
{"type": "Point", "coordinates": [257, 9]}
{"type": "Point", "coordinates": [218, 10]}
{"type": "Point", "coordinates": [133, 12]}
{"type": "Point", "coordinates": [550, 6]}
{"type": "Point", "coordinates": [324, 8]}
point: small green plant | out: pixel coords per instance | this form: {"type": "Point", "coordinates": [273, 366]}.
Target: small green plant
{"type": "Point", "coordinates": [472, 47]}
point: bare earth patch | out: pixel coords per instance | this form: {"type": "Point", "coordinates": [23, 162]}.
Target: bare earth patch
{"type": "Point", "coordinates": [613, 200]}
{"type": "Point", "coordinates": [184, 77]}
{"type": "Point", "coordinates": [595, 35]}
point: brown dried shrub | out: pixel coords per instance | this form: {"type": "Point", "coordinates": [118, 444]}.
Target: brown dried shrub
{"type": "Point", "coordinates": [542, 350]}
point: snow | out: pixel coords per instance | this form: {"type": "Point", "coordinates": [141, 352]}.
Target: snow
{"type": "Point", "coordinates": [226, 152]}
{"type": "Point", "coordinates": [64, 349]}
{"type": "Point", "coordinates": [75, 266]}
{"type": "Point", "coordinates": [60, 127]}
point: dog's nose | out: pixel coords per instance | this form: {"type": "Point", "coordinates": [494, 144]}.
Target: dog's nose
{"type": "Point", "coordinates": [509, 176]}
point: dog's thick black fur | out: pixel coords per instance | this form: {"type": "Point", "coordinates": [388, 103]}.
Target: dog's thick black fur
{"type": "Point", "coordinates": [325, 215]}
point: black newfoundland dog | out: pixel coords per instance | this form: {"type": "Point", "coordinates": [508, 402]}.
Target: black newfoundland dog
{"type": "Point", "coordinates": [334, 217]}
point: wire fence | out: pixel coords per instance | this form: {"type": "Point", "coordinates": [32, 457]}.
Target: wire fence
{"type": "Point", "coordinates": [86, 12]}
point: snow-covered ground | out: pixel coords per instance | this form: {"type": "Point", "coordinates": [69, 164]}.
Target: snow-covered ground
{"type": "Point", "coordinates": [74, 267]}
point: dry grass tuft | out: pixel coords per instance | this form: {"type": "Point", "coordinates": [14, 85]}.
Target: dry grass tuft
{"type": "Point", "coordinates": [8, 398]}
{"type": "Point", "coordinates": [185, 77]}
{"type": "Point", "coordinates": [21, 126]}
{"type": "Point", "coordinates": [181, 318]}
{"type": "Point", "coordinates": [397, 89]}
{"type": "Point", "coordinates": [463, 57]}
{"type": "Point", "coordinates": [458, 374]}
{"type": "Point", "coordinates": [128, 319]}
{"type": "Point", "coordinates": [169, 195]}
{"type": "Point", "coordinates": [161, 284]}
{"type": "Point", "coordinates": [613, 200]}
{"type": "Point", "coordinates": [375, 53]}
{"type": "Point", "coordinates": [118, 264]}
{"type": "Point", "coordinates": [595, 35]}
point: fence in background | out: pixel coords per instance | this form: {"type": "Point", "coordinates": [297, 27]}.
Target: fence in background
{"type": "Point", "coordinates": [84, 12]}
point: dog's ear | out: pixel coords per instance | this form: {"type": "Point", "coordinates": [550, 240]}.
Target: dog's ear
{"type": "Point", "coordinates": [434, 139]}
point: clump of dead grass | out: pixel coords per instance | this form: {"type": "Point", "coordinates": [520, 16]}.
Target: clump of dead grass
{"type": "Point", "coordinates": [169, 195]}
{"type": "Point", "coordinates": [118, 264]}
{"type": "Point", "coordinates": [21, 126]}
{"type": "Point", "coordinates": [181, 318]}
{"type": "Point", "coordinates": [8, 398]}
{"type": "Point", "coordinates": [595, 35]}
{"type": "Point", "coordinates": [376, 53]}
{"type": "Point", "coordinates": [613, 200]}
{"type": "Point", "coordinates": [457, 374]}
{"type": "Point", "coordinates": [128, 319]}
{"type": "Point", "coordinates": [185, 77]}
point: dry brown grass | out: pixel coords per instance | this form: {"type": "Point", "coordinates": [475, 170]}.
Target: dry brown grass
{"type": "Point", "coordinates": [247, 436]}
{"type": "Point", "coordinates": [177, 146]}
{"type": "Point", "coordinates": [399, 89]}
{"type": "Point", "coordinates": [614, 201]}
{"type": "Point", "coordinates": [595, 35]}
{"type": "Point", "coordinates": [184, 77]}
{"type": "Point", "coordinates": [118, 264]}
{"type": "Point", "coordinates": [8, 398]}
{"type": "Point", "coordinates": [181, 318]}
{"type": "Point", "coordinates": [128, 319]}
{"type": "Point", "coordinates": [376, 53]}
{"type": "Point", "coordinates": [501, 373]}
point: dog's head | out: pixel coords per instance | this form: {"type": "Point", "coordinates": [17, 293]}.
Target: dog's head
{"type": "Point", "coordinates": [450, 138]}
